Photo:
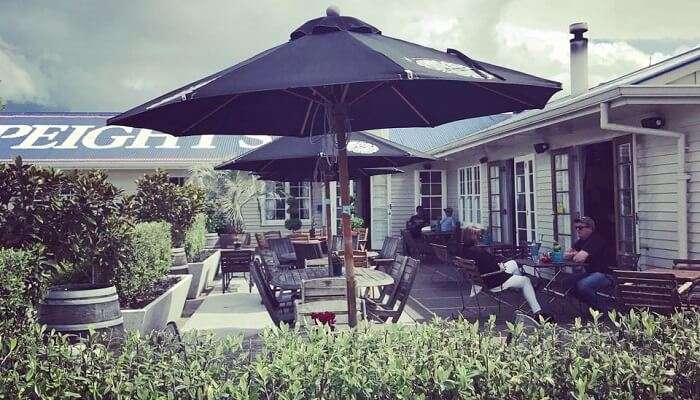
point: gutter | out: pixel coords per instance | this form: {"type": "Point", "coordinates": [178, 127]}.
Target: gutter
{"type": "Point", "coordinates": [681, 177]}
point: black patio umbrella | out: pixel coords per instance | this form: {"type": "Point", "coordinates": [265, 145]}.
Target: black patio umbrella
{"type": "Point", "coordinates": [335, 75]}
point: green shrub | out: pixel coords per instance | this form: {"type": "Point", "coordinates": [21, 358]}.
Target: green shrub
{"type": "Point", "coordinates": [642, 357]}
{"type": "Point", "coordinates": [196, 236]}
{"type": "Point", "coordinates": [216, 218]}
{"type": "Point", "coordinates": [148, 262]}
{"type": "Point", "coordinates": [24, 280]}
{"type": "Point", "coordinates": [156, 199]}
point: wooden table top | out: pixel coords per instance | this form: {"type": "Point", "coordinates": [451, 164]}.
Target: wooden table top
{"type": "Point", "coordinates": [304, 241]}
{"type": "Point", "coordinates": [538, 264]}
{"type": "Point", "coordinates": [682, 275]}
{"type": "Point", "coordinates": [365, 277]}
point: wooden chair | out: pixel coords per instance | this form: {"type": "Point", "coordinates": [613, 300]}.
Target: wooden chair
{"type": "Point", "coordinates": [472, 275]}
{"type": "Point", "coordinates": [272, 235]}
{"type": "Point", "coordinates": [361, 238]}
{"type": "Point", "coordinates": [323, 294]}
{"type": "Point", "coordinates": [656, 292]}
{"type": "Point", "coordinates": [262, 242]}
{"type": "Point", "coordinates": [359, 257]}
{"type": "Point", "coordinates": [284, 249]}
{"type": "Point", "coordinates": [299, 236]}
{"type": "Point", "coordinates": [234, 261]}
{"type": "Point", "coordinates": [338, 245]}
{"type": "Point", "coordinates": [382, 313]}
{"type": "Point", "coordinates": [306, 251]}
{"type": "Point", "coordinates": [629, 262]}
{"type": "Point", "coordinates": [279, 311]}
{"type": "Point", "coordinates": [446, 260]}
{"type": "Point", "coordinates": [414, 247]}
{"type": "Point", "coordinates": [387, 294]}
{"type": "Point", "coordinates": [387, 254]}
{"type": "Point", "coordinates": [691, 265]}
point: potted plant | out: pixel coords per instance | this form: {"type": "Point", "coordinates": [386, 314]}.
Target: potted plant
{"type": "Point", "coordinates": [293, 223]}
{"type": "Point", "coordinates": [202, 263]}
{"type": "Point", "coordinates": [215, 224]}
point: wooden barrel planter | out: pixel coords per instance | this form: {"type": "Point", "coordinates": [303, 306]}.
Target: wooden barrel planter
{"type": "Point", "coordinates": [211, 241]}
{"type": "Point", "coordinates": [179, 266]}
{"type": "Point", "coordinates": [76, 308]}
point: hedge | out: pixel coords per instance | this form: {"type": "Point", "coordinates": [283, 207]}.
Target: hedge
{"type": "Point", "coordinates": [195, 238]}
{"type": "Point", "coordinates": [641, 357]}
{"type": "Point", "coordinates": [148, 262]}
{"type": "Point", "coordinates": [24, 280]}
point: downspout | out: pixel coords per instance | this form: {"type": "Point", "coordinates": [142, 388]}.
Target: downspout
{"type": "Point", "coordinates": [681, 177]}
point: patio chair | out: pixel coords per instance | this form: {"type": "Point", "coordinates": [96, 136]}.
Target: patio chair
{"type": "Point", "coordinates": [337, 243]}
{"type": "Point", "coordinates": [234, 261]}
{"type": "Point", "coordinates": [299, 236]}
{"type": "Point", "coordinates": [383, 312]}
{"type": "Point", "coordinates": [284, 249]}
{"type": "Point", "coordinates": [656, 292]}
{"type": "Point", "coordinates": [243, 238]}
{"type": "Point", "coordinates": [472, 275]}
{"type": "Point", "coordinates": [415, 248]}
{"type": "Point", "coordinates": [272, 235]}
{"type": "Point", "coordinates": [361, 238]}
{"type": "Point", "coordinates": [306, 251]}
{"type": "Point", "coordinates": [692, 265]}
{"type": "Point", "coordinates": [445, 260]}
{"type": "Point", "coordinates": [387, 294]}
{"type": "Point", "coordinates": [262, 242]}
{"type": "Point", "coordinates": [387, 254]}
{"type": "Point", "coordinates": [359, 257]}
{"type": "Point", "coordinates": [323, 295]}
{"type": "Point", "coordinates": [629, 262]}
{"type": "Point", "coordinates": [279, 311]}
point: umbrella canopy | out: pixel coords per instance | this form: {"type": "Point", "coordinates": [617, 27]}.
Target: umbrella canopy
{"type": "Point", "coordinates": [298, 176]}
{"type": "Point", "coordinates": [312, 157]}
{"type": "Point", "coordinates": [338, 74]}
{"type": "Point", "coordinates": [383, 82]}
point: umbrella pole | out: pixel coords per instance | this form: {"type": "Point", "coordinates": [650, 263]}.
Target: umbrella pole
{"type": "Point", "coordinates": [339, 119]}
{"type": "Point", "coordinates": [329, 231]}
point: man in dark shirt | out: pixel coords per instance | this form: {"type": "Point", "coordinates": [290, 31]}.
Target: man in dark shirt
{"type": "Point", "coordinates": [417, 222]}
{"type": "Point", "coordinates": [591, 249]}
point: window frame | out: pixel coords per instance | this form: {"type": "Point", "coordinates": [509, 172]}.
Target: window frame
{"type": "Point", "coordinates": [418, 196]}
{"type": "Point", "coordinates": [469, 188]}
{"type": "Point", "coordinates": [287, 190]}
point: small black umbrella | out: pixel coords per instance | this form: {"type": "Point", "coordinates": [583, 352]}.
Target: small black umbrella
{"type": "Point", "coordinates": [338, 74]}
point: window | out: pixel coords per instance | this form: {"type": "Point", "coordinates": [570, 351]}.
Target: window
{"type": "Point", "coordinates": [495, 223]}
{"type": "Point", "coordinates": [470, 194]}
{"type": "Point", "coordinates": [275, 201]}
{"type": "Point", "coordinates": [525, 207]}
{"type": "Point", "coordinates": [339, 206]}
{"type": "Point", "coordinates": [430, 192]}
{"type": "Point", "coordinates": [562, 196]}
{"type": "Point", "coordinates": [177, 180]}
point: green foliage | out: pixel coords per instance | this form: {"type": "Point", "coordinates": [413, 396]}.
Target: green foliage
{"type": "Point", "coordinates": [216, 218]}
{"type": "Point", "coordinates": [24, 278]}
{"type": "Point", "coordinates": [149, 260]}
{"type": "Point", "coordinates": [642, 357]}
{"type": "Point", "coordinates": [227, 192]}
{"type": "Point", "coordinates": [357, 222]}
{"type": "Point", "coordinates": [30, 204]}
{"type": "Point", "coordinates": [293, 223]}
{"type": "Point", "coordinates": [196, 236]}
{"type": "Point", "coordinates": [156, 199]}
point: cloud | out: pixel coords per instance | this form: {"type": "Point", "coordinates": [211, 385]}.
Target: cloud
{"type": "Point", "coordinates": [84, 55]}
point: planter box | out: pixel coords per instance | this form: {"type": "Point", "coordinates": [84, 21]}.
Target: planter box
{"type": "Point", "coordinates": [156, 315]}
{"type": "Point", "coordinates": [203, 274]}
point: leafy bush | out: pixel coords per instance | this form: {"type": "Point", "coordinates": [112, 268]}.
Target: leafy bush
{"type": "Point", "coordinates": [196, 236]}
{"type": "Point", "coordinates": [156, 199]}
{"type": "Point", "coordinates": [293, 223]}
{"type": "Point", "coordinates": [642, 357]}
{"type": "Point", "coordinates": [25, 279]}
{"type": "Point", "coordinates": [216, 218]}
{"type": "Point", "coordinates": [148, 262]}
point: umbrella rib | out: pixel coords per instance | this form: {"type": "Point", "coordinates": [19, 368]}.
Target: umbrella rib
{"type": "Point", "coordinates": [504, 95]}
{"type": "Point", "coordinates": [415, 110]}
{"type": "Point", "coordinates": [345, 93]}
{"type": "Point", "coordinates": [305, 97]}
{"type": "Point", "coordinates": [368, 91]}
{"type": "Point", "coordinates": [214, 111]}
{"type": "Point", "coordinates": [306, 117]}
{"type": "Point", "coordinates": [319, 94]}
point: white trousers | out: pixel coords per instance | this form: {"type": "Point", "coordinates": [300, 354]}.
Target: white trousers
{"type": "Point", "coordinates": [518, 281]}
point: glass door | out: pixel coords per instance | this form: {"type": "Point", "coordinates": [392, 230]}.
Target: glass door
{"type": "Point", "coordinates": [525, 215]}
{"type": "Point", "coordinates": [625, 213]}
{"type": "Point", "coordinates": [563, 196]}
{"type": "Point", "coordinates": [495, 203]}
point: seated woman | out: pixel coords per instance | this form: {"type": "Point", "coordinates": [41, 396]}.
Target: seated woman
{"type": "Point", "coordinates": [509, 276]}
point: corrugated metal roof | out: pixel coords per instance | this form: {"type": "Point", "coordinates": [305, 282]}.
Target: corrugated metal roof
{"type": "Point", "coordinates": [425, 139]}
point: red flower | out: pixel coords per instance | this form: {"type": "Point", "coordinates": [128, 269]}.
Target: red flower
{"type": "Point", "coordinates": [324, 317]}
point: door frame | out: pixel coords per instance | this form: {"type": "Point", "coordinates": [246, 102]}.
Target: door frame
{"type": "Point", "coordinates": [574, 213]}
{"type": "Point", "coordinates": [533, 203]}
{"type": "Point", "coordinates": [617, 141]}
{"type": "Point", "coordinates": [388, 201]}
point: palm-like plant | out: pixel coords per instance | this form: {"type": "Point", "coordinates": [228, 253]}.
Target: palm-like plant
{"type": "Point", "coordinates": [227, 191]}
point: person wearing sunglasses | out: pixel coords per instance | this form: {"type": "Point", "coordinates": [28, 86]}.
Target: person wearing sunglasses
{"type": "Point", "coordinates": [593, 250]}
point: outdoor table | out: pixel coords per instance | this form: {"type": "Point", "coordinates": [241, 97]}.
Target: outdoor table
{"type": "Point", "coordinates": [567, 267]}
{"type": "Point", "coordinates": [365, 277]}
{"type": "Point", "coordinates": [436, 237]}
{"type": "Point", "coordinates": [682, 275]}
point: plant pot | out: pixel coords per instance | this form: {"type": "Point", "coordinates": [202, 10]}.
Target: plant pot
{"type": "Point", "coordinates": [226, 240]}
{"type": "Point", "coordinates": [203, 274]}
{"type": "Point", "coordinates": [76, 308]}
{"type": "Point", "coordinates": [157, 314]}
{"type": "Point", "coordinates": [179, 266]}
{"type": "Point", "coordinates": [211, 241]}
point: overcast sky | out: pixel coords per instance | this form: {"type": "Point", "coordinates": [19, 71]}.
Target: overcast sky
{"type": "Point", "coordinates": [90, 55]}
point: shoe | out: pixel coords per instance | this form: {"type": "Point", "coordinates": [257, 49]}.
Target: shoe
{"type": "Point", "coordinates": [546, 317]}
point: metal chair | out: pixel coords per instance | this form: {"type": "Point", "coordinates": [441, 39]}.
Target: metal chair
{"type": "Point", "coordinates": [383, 312]}
{"type": "Point", "coordinates": [656, 292]}
{"type": "Point", "coordinates": [472, 275]}
{"type": "Point", "coordinates": [234, 261]}
{"type": "Point", "coordinates": [279, 311]}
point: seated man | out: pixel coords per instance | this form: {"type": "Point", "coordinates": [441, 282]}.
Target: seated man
{"type": "Point", "coordinates": [449, 223]}
{"type": "Point", "coordinates": [509, 276]}
{"type": "Point", "coordinates": [417, 222]}
{"type": "Point", "coordinates": [591, 249]}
